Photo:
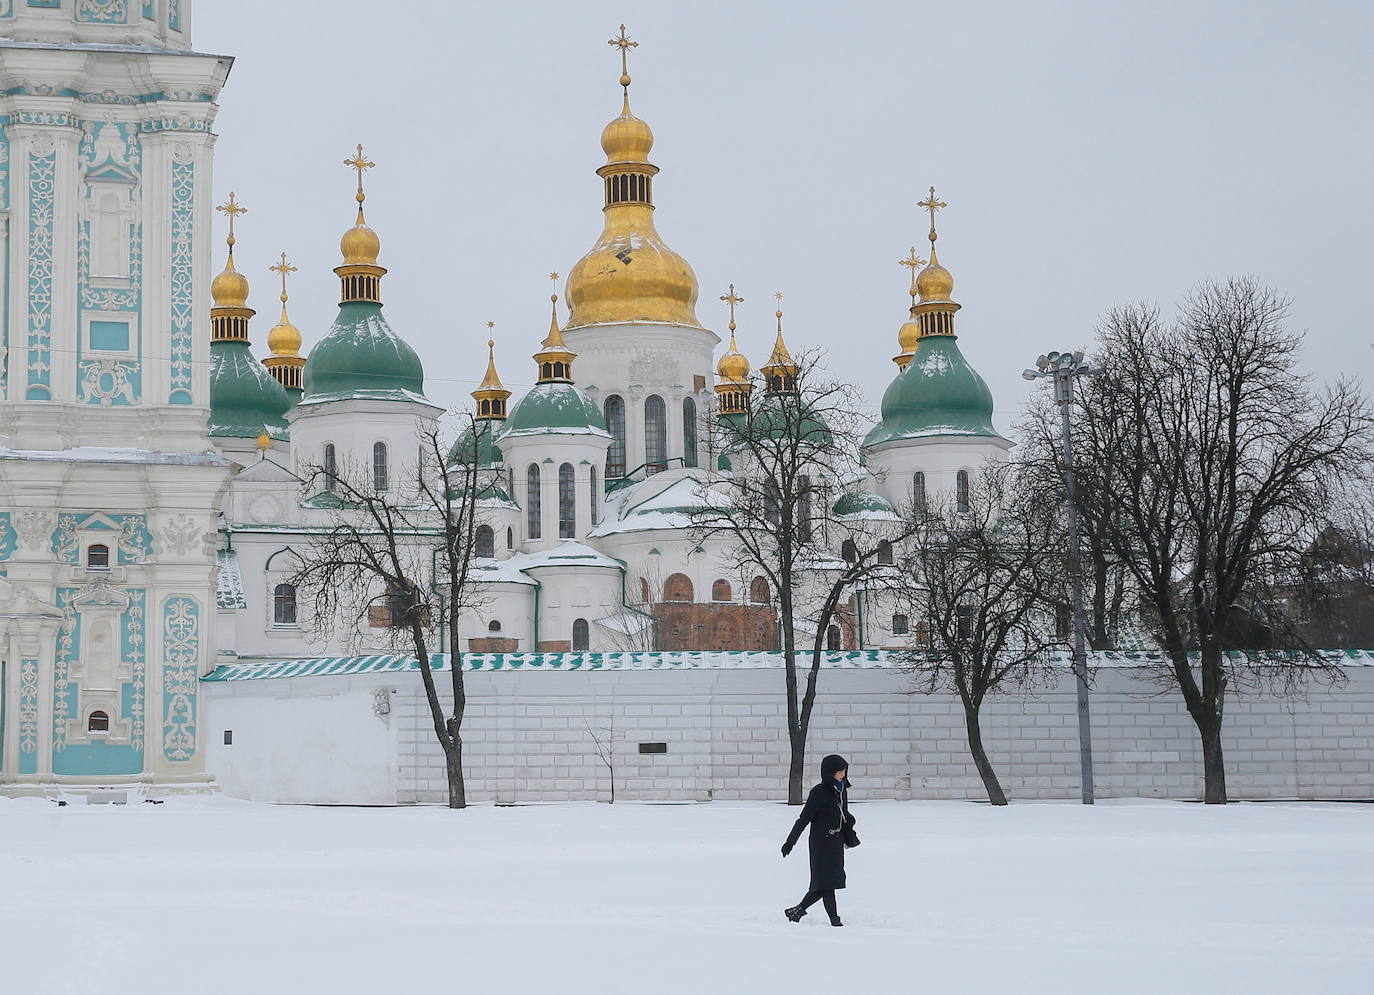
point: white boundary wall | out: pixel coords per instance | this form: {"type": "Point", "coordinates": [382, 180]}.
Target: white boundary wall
{"type": "Point", "coordinates": [320, 739]}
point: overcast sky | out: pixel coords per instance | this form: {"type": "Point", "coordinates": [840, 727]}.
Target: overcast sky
{"type": "Point", "coordinates": [1090, 153]}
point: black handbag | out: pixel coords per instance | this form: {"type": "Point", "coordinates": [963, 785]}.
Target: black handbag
{"type": "Point", "coordinates": [851, 838]}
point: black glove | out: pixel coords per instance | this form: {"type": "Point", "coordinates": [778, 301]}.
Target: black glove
{"type": "Point", "coordinates": [786, 849]}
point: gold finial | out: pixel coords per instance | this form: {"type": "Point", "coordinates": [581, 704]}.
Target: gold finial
{"type": "Point", "coordinates": [731, 298]}
{"type": "Point", "coordinates": [232, 208]}
{"type": "Point", "coordinates": [491, 324]}
{"type": "Point", "coordinates": [778, 297]}
{"type": "Point", "coordinates": [360, 163]}
{"type": "Point", "coordinates": [264, 443]}
{"type": "Point", "coordinates": [912, 262]}
{"type": "Point", "coordinates": [932, 205]}
{"type": "Point", "coordinates": [624, 44]}
{"type": "Point", "coordinates": [283, 268]}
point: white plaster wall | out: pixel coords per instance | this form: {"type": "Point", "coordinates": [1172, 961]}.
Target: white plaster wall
{"type": "Point", "coordinates": [940, 459]}
{"type": "Point", "coordinates": [354, 426]}
{"type": "Point", "coordinates": [311, 741]}
{"type": "Point", "coordinates": [549, 453]}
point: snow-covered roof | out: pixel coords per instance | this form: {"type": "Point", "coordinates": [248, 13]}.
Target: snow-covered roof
{"type": "Point", "coordinates": [671, 507]}
{"type": "Point", "coordinates": [568, 553]}
{"type": "Point", "coordinates": [114, 454]}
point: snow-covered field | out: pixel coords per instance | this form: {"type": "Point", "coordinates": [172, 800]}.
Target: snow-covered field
{"type": "Point", "coordinates": [217, 896]}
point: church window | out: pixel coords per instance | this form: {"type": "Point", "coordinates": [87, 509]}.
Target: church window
{"type": "Point", "coordinates": [772, 506]}
{"type": "Point", "coordinates": [484, 541]}
{"type": "Point", "coordinates": [567, 502]}
{"type": "Point", "coordinates": [804, 507]}
{"type": "Point", "coordinates": [849, 551]}
{"type": "Point", "coordinates": [689, 432]}
{"type": "Point", "coordinates": [885, 553]}
{"type": "Point", "coordinates": [98, 557]}
{"type": "Point", "coordinates": [918, 491]}
{"type": "Point", "coordinates": [581, 637]}
{"type": "Point", "coordinates": [961, 491]}
{"type": "Point", "coordinates": [720, 590]}
{"type": "Point", "coordinates": [758, 591]}
{"type": "Point", "coordinates": [284, 605]}
{"type": "Point", "coordinates": [494, 626]}
{"type": "Point", "coordinates": [655, 434]}
{"type": "Point", "coordinates": [510, 537]}
{"type": "Point", "coordinates": [379, 467]}
{"type": "Point", "coordinates": [533, 517]}
{"type": "Point", "coordinates": [832, 638]}
{"type": "Point", "coordinates": [964, 615]}
{"type": "Point", "coordinates": [615, 422]}
{"type": "Point", "coordinates": [900, 625]}
{"type": "Point", "coordinates": [98, 722]}
{"type": "Point", "coordinates": [678, 587]}
{"type": "Point", "coordinates": [591, 491]}
{"type": "Point", "coordinates": [331, 467]}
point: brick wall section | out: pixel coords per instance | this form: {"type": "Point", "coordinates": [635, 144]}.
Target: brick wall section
{"type": "Point", "coordinates": [527, 740]}
{"type": "Point", "coordinates": [721, 627]}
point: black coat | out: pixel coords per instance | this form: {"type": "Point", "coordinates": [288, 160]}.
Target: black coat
{"type": "Point", "coordinates": [827, 813]}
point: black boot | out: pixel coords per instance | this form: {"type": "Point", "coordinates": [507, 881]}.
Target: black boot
{"type": "Point", "coordinates": [835, 921]}
{"type": "Point", "coordinates": [795, 913]}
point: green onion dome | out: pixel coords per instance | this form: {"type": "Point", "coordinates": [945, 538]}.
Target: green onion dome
{"type": "Point", "coordinates": [937, 394]}
{"type": "Point", "coordinates": [362, 357]}
{"type": "Point", "coordinates": [478, 442]}
{"type": "Point", "coordinates": [246, 401]}
{"type": "Point", "coordinates": [554, 408]}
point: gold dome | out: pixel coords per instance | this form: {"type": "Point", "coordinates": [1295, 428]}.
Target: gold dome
{"type": "Point", "coordinates": [360, 244]}
{"type": "Point", "coordinates": [230, 288]}
{"type": "Point", "coordinates": [285, 338]}
{"type": "Point", "coordinates": [734, 365]}
{"type": "Point", "coordinates": [908, 335]}
{"type": "Point", "coordinates": [627, 138]}
{"type": "Point", "coordinates": [935, 282]}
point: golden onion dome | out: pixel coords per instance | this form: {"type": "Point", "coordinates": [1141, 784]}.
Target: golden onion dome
{"type": "Point", "coordinates": [907, 337]}
{"type": "Point", "coordinates": [230, 288]}
{"type": "Point", "coordinates": [734, 365]}
{"type": "Point", "coordinates": [360, 244]}
{"type": "Point", "coordinates": [627, 138]}
{"type": "Point", "coordinates": [935, 283]}
{"type": "Point", "coordinates": [285, 338]}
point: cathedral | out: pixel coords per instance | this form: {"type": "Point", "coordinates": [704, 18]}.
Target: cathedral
{"type": "Point", "coordinates": [160, 484]}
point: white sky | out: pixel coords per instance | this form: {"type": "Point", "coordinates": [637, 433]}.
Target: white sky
{"type": "Point", "coordinates": [1090, 153]}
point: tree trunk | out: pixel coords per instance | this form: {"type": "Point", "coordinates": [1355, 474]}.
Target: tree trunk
{"type": "Point", "coordinates": [1213, 768]}
{"type": "Point", "coordinates": [796, 771]}
{"type": "Point", "coordinates": [453, 759]}
{"type": "Point", "coordinates": [980, 757]}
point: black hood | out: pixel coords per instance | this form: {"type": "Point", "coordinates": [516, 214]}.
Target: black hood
{"type": "Point", "coordinates": [831, 765]}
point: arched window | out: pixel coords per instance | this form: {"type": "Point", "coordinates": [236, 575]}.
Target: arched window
{"type": "Point", "coordinates": [678, 587]}
{"type": "Point", "coordinates": [98, 557]}
{"type": "Point", "coordinates": [593, 497]}
{"type": "Point", "coordinates": [533, 519]}
{"type": "Point", "coordinates": [758, 591]}
{"type": "Point", "coordinates": [885, 552]}
{"type": "Point", "coordinates": [644, 590]}
{"type": "Point", "coordinates": [494, 626]}
{"type": "Point", "coordinates": [380, 476]}
{"type": "Point", "coordinates": [900, 626]}
{"type": "Point", "coordinates": [510, 537]}
{"type": "Point", "coordinates": [98, 722]}
{"type": "Point", "coordinates": [849, 551]}
{"type": "Point", "coordinates": [484, 541]}
{"type": "Point", "coordinates": [331, 467]}
{"type": "Point", "coordinates": [284, 605]}
{"type": "Point", "coordinates": [804, 507]}
{"type": "Point", "coordinates": [720, 590]}
{"type": "Point", "coordinates": [918, 491]}
{"type": "Point", "coordinates": [832, 638]}
{"type": "Point", "coordinates": [614, 409]}
{"type": "Point", "coordinates": [655, 434]}
{"type": "Point", "coordinates": [689, 432]}
{"type": "Point", "coordinates": [961, 491]}
{"type": "Point", "coordinates": [581, 637]}
{"type": "Point", "coordinates": [567, 502]}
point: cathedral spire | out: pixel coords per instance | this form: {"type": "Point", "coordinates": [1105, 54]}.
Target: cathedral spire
{"type": "Point", "coordinates": [780, 374]}
{"type": "Point", "coordinates": [555, 358]}
{"type": "Point", "coordinates": [229, 317]}
{"type": "Point", "coordinates": [284, 340]}
{"type": "Point", "coordinates": [491, 394]}
{"type": "Point", "coordinates": [733, 369]}
{"type": "Point", "coordinates": [360, 275]}
{"type": "Point", "coordinates": [934, 312]}
{"type": "Point", "coordinates": [910, 331]}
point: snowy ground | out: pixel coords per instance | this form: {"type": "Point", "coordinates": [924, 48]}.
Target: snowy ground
{"type": "Point", "coordinates": [217, 896]}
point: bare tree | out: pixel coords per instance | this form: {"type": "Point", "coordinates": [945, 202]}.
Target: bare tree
{"type": "Point", "coordinates": [603, 742]}
{"type": "Point", "coordinates": [1227, 460]}
{"type": "Point", "coordinates": [774, 507]}
{"type": "Point", "coordinates": [985, 584]}
{"type": "Point", "coordinates": [404, 553]}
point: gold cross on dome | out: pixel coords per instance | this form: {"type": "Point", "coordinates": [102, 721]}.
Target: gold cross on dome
{"type": "Point", "coordinates": [912, 261]}
{"type": "Point", "coordinates": [778, 295]}
{"type": "Point", "coordinates": [283, 268]}
{"type": "Point", "coordinates": [232, 208]}
{"type": "Point", "coordinates": [624, 44]}
{"type": "Point", "coordinates": [491, 324]}
{"type": "Point", "coordinates": [932, 205]}
{"type": "Point", "coordinates": [731, 298]}
{"type": "Point", "coordinates": [360, 163]}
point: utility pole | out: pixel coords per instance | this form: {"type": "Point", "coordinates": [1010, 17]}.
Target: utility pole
{"type": "Point", "coordinates": [1063, 368]}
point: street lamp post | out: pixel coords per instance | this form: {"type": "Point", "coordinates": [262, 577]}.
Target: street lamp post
{"type": "Point", "coordinates": [1063, 368]}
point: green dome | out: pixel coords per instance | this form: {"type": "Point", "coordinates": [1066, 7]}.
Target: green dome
{"type": "Point", "coordinates": [245, 399]}
{"type": "Point", "coordinates": [555, 409]}
{"type": "Point", "coordinates": [362, 357]}
{"type": "Point", "coordinates": [937, 394]}
{"type": "Point", "coordinates": [863, 503]}
{"type": "Point", "coordinates": [478, 438]}
{"type": "Point", "coordinates": [771, 417]}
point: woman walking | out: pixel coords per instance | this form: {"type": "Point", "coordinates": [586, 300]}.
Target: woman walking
{"type": "Point", "coordinates": [832, 830]}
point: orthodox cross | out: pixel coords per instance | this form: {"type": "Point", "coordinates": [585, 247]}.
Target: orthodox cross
{"type": "Point", "coordinates": [283, 268]}
{"type": "Point", "coordinates": [232, 209]}
{"type": "Point", "coordinates": [624, 44]}
{"type": "Point", "coordinates": [732, 299]}
{"type": "Point", "coordinates": [912, 262]}
{"type": "Point", "coordinates": [932, 205]}
{"type": "Point", "coordinates": [360, 163]}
